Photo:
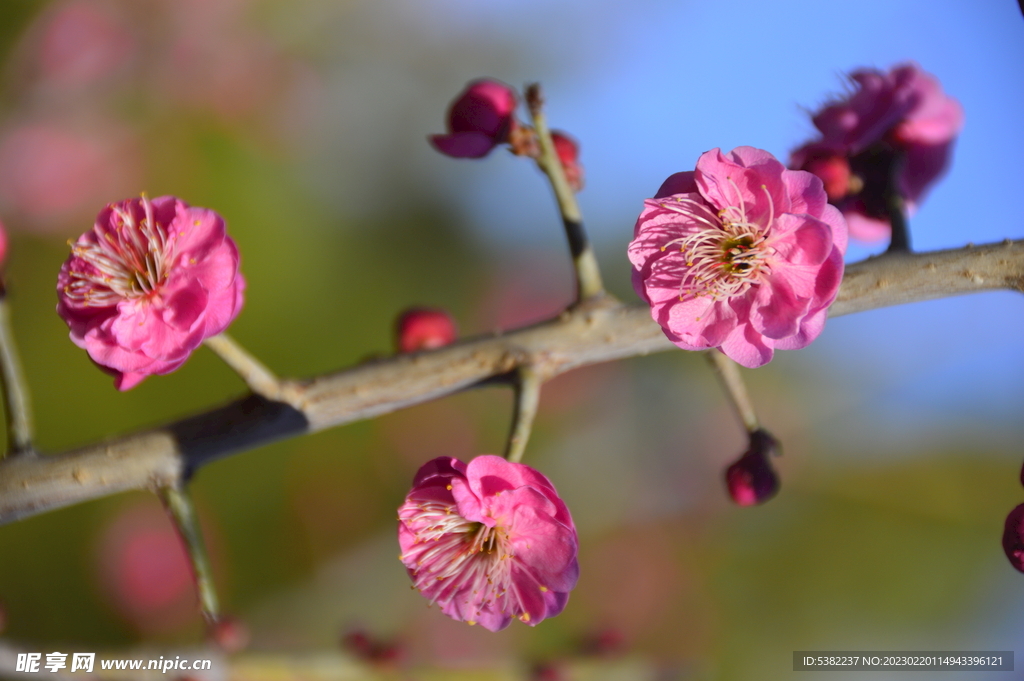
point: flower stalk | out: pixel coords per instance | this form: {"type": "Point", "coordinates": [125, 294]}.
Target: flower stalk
{"type": "Point", "coordinates": [179, 505]}
{"type": "Point", "coordinates": [728, 373]}
{"type": "Point", "coordinates": [258, 377]}
{"type": "Point", "coordinates": [17, 407]}
{"type": "Point", "coordinates": [527, 398]}
{"type": "Point", "coordinates": [588, 275]}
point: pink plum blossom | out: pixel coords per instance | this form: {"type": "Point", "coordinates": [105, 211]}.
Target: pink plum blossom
{"type": "Point", "coordinates": [898, 121]}
{"type": "Point", "coordinates": [147, 284]}
{"type": "Point", "coordinates": [488, 541]}
{"type": "Point", "coordinates": [751, 478]}
{"type": "Point", "coordinates": [740, 254]}
{"type": "Point", "coordinates": [480, 119]}
{"type": "Point", "coordinates": [424, 328]}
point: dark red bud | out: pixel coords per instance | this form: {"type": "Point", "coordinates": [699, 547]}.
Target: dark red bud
{"type": "Point", "coordinates": [751, 479]}
{"type": "Point", "coordinates": [423, 328]}
{"type": "Point", "coordinates": [1013, 538]}
{"type": "Point", "coordinates": [569, 153]}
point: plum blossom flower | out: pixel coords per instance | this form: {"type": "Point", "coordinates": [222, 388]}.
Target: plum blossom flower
{"type": "Point", "coordinates": [480, 119]}
{"type": "Point", "coordinates": [424, 328]}
{"type": "Point", "coordinates": [147, 284]}
{"type": "Point", "coordinates": [897, 127]}
{"type": "Point", "coordinates": [488, 541]}
{"type": "Point", "coordinates": [739, 254]}
{"type": "Point", "coordinates": [751, 479]}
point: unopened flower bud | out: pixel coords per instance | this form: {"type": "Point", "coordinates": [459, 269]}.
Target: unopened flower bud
{"type": "Point", "coordinates": [1013, 538]}
{"type": "Point", "coordinates": [751, 479]}
{"type": "Point", "coordinates": [424, 328]}
{"type": "Point", "coordinates": [376, 651]}
{"type": "Point", "coordinates": [229, 634]}
{"type": "Point", "coordinates": [568, 153]}
{"type": "Point", "coordinates": [480, 119]}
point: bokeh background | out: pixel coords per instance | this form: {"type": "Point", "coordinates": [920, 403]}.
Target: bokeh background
{"type": "Point", "coordinates": [304, 123]}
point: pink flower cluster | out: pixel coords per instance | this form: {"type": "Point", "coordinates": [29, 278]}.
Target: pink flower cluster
{"type": "Point", "coordinates": [488, 541]}
{"type": "Point", "coordinates": [147, 284]}
{"type": "Point", "coordinates": [740, 254]}
{"type": "Point", "coordinates": [901, 122]}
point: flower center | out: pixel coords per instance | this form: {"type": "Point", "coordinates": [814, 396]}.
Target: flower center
{"type": "Point", "coordinates": [129, 259]}
{"type": "Point", "coordinates": [727, 254]}
{"type": "Point", "coordinates": [458, 558]}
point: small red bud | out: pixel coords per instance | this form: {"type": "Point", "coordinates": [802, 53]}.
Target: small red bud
{"type": "Point", "coordinates": [229, 634]}
{"type": "Point", "coordinates": [604, 643]}
{"type": "Point", "coordinates": [1013, 538]}
{"type": "Point", "coordinates": [569, 153]}
{"type": "Point", "coordinates": [548, 671]}
{"type": "Point", "coordinates": [751, 479]}
{"type": "Point", "coordinates": [422, 328]}
{"type": "Point", "coordinates": [379, 652]}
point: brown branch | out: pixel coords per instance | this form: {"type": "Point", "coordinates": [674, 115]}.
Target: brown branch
{"type": "Point", "coordinates": [596, 331]}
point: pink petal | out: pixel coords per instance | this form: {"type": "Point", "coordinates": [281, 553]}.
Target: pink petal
{"type": "Point", "coordinates": [747, 347]}
{"type": "Point", "coordinates": [811, 327]}
{"type": "Point", "coordinates": [679, 183]}
{"type": "Point", "coordinates": [464, 144]}
{"type": "Point", "coordinates": [801, 239]}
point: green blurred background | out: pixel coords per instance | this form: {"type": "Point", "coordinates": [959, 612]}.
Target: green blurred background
{"type": "Point", "coordinates": [304, 124]}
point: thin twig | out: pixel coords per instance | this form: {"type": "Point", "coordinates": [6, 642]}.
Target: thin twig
{"type": "Point", "coordinates": [179, 505]}
{"type": "Point", "coordinates": [895, 205]}
{"type": "Point", "coordinates": [527, 398]}
{"type": "Point", "coordinates": [599, 331]}
{"type": "Point", "coordinates": [728, 373]}
{"type": "Point", "coordinates": [588, 275]}
{"type": "Point", "coordinates": [17, 407]}
{"type": "Point", "coordinates": [259, 378]}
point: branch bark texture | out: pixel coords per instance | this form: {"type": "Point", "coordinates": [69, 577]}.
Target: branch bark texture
{"type": "Point", "coordinates": [598, 330]}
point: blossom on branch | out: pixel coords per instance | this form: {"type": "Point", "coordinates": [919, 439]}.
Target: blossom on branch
{"type": "Point", "coordinates": [739, 254]}
{"type": "Point", "coordinates": [895, 132]}
{"type": "Point", "coordinates": [147, 284]}
{"type": "Point", "coordinates": [480, 119]}
{"type": "Point", "coordinates": [488, 541]}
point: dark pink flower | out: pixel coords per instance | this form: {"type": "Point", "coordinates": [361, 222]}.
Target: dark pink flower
{"type": "Point", "coordinates": [480, 119]}
{"type": "Point", "coordinates": [751, 479]}
{"type": "Point", "coordinates": [1013, 538]}
{"type": "Point", "coordinates": [149, 282]}
{"type": "Point", "coordinates": [740, 254]}
{"type": "Point", "coordinates": [897, 120]}
{"type": "Point", "coordinates": [488, 541]}
{"type": "Point", "coordinates": [569, 154]}
{"type": "Point", "coordinates": [424, 328]}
